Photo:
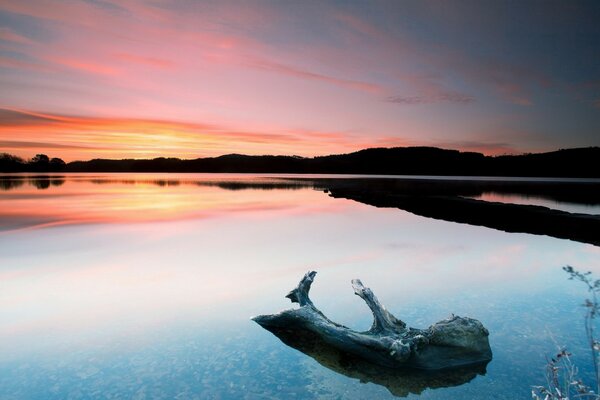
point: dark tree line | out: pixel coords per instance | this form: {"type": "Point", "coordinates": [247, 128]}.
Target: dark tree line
{"type": "Point", "coordinates": [581, 162]}
{"type": "Point", "coordinates": [39, 163]}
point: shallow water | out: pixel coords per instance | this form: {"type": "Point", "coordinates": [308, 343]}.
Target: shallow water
{"type": "Point", "coordinates": [142, 286]}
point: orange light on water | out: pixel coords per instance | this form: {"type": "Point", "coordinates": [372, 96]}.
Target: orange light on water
{"type": "Point", "coordinates": [37, 202]}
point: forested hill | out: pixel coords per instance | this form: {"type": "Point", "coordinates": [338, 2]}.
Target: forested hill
{"type": "Point", "coordinates": [580, 162]}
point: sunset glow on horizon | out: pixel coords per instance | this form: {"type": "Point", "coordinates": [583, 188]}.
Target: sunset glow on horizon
{"type": "Point", "coordinates": [137, 79]}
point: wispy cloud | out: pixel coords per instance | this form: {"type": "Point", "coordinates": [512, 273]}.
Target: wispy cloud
{"type": "Point", "coordinates": [87, 66]}
{"type": "Point", "coordinates": [16, 64]}
{"type": "Point", "coordinates": [512, 82]}
{"type": "Point", "coordinates": [306, 74]}
{"type": "Point", "coordinates": [15, 144]}
{"type": "Point", "coordinates": [146, 60]}
{"type": "Point", "coordinates": [13, 118]}
{"type": "Point", "coordinates": [480, 146]}
{"type": "Point", "coordinates": [8, 35]}
{"type": "Point", "coordinates": [438, 98]}
{"type": "Point", "coordinates": [490, 147]}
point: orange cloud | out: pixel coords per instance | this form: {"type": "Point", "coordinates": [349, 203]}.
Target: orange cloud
{"type": "Point", "coordinates": [81, 137]}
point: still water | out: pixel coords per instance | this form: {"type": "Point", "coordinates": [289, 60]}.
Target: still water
{"type": "Point", "coordinates": [142, 286]}
{"type": "Point", "coordinates": [593, 209]}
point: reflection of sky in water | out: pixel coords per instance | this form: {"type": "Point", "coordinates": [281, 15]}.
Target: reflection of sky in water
{"type": "Point", "coordinates": [539, 201]}
{"type": "Point", "coordinates": [144, 291]}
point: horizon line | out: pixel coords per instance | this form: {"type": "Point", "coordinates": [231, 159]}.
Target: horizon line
{"type": "Point", "coordinates": [312, 157]}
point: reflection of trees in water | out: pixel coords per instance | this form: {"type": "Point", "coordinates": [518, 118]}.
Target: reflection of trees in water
{"type": "Point", "coordinates": [258, 185]}
{"type": "Point", "coordinates": [227, 185]}
{"type": "Point", "coordinates": [10, 183]}
{"type": "Point", "coordinates": [162, 182]}
{"type": "Point", "coordinates": [44, 182]}
{"type": "Point", "coordinates": [157, 182]}
{"type": "Point", "coordinates": [40, 182]}
{"type": "Point", "coordinates": [400, 382]}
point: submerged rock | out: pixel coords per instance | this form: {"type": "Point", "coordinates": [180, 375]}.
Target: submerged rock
{"type": "Point", "coordinates": [453, 342]}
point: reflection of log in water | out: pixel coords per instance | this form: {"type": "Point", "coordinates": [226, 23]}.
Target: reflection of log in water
{"type": "Point", "coordinates": [400, 382]}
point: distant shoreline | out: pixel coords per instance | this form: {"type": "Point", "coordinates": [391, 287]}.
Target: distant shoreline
{"type": "Point", "coordinates": [293, 175]}
{"type": "Point", "coordinates": [398, 161]}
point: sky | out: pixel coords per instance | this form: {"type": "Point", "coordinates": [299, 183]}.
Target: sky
{"type": "Point", "coordinates": [142, 79]}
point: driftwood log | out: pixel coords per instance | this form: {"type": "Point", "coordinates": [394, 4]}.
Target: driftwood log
{"type": "Point", "coordinates": [453, 342]}
{"type": "Point", "coordinates": [401, 382]}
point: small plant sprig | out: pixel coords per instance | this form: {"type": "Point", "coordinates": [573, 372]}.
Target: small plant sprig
{"type": "Point", "coordinates": [592, 310]}
{"type": "Point", "coordinates": [562, 382]}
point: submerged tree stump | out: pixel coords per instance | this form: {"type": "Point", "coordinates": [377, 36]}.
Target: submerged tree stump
{"type": "Point", "coordinates": [453, 342]}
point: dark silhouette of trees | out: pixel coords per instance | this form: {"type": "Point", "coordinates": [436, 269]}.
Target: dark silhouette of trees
{"type": "Point", "coordinates": [581, 162]}
{"type": "Point", "coordinates": [57, 164]}
{"type": "Point", "coordinates": [40, 159]}
{"type": "Point", "coordinates": [39, 163]}
{"type": "Point", "coordinates": [10, 163]}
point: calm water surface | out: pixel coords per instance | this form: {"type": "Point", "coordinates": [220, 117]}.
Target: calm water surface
{"type": "Point", "coordinates": [593, 209]}
{"type": "Point", "coordinates": [142, 287]}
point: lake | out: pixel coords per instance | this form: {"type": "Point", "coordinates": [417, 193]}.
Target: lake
{"type": "Point", "coordinates": [142, 286]}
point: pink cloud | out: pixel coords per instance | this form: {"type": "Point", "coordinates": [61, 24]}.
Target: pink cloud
{"type": "Point", "coordinates": [429, 90]}
{"type": "Point", "coordinates": [438, 98]}
{"type": "Point", "coordinates": [359, 25]}
{"type": "Point", "coordinates": [144, 60]}
{"type": "Point", "coordinates": [305, 74]}
{"type": "Point", "coordinates": [8, 35]}
{"type": "Point", "coordinates": [480, 146]}
{"type": "Point", "coordinates": [8, 62]}
{"type": "Point", "coordinates": [91, 67]}
{"type": "Point", "coordinates": [81, 13]}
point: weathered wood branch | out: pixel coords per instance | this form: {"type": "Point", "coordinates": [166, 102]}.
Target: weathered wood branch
{"type": "Point", "coordinates": [384, 321]}
{"type": "Point", "coordinates": [300, 293]}
{"type": "Point", "coordinates": [453, 342]}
